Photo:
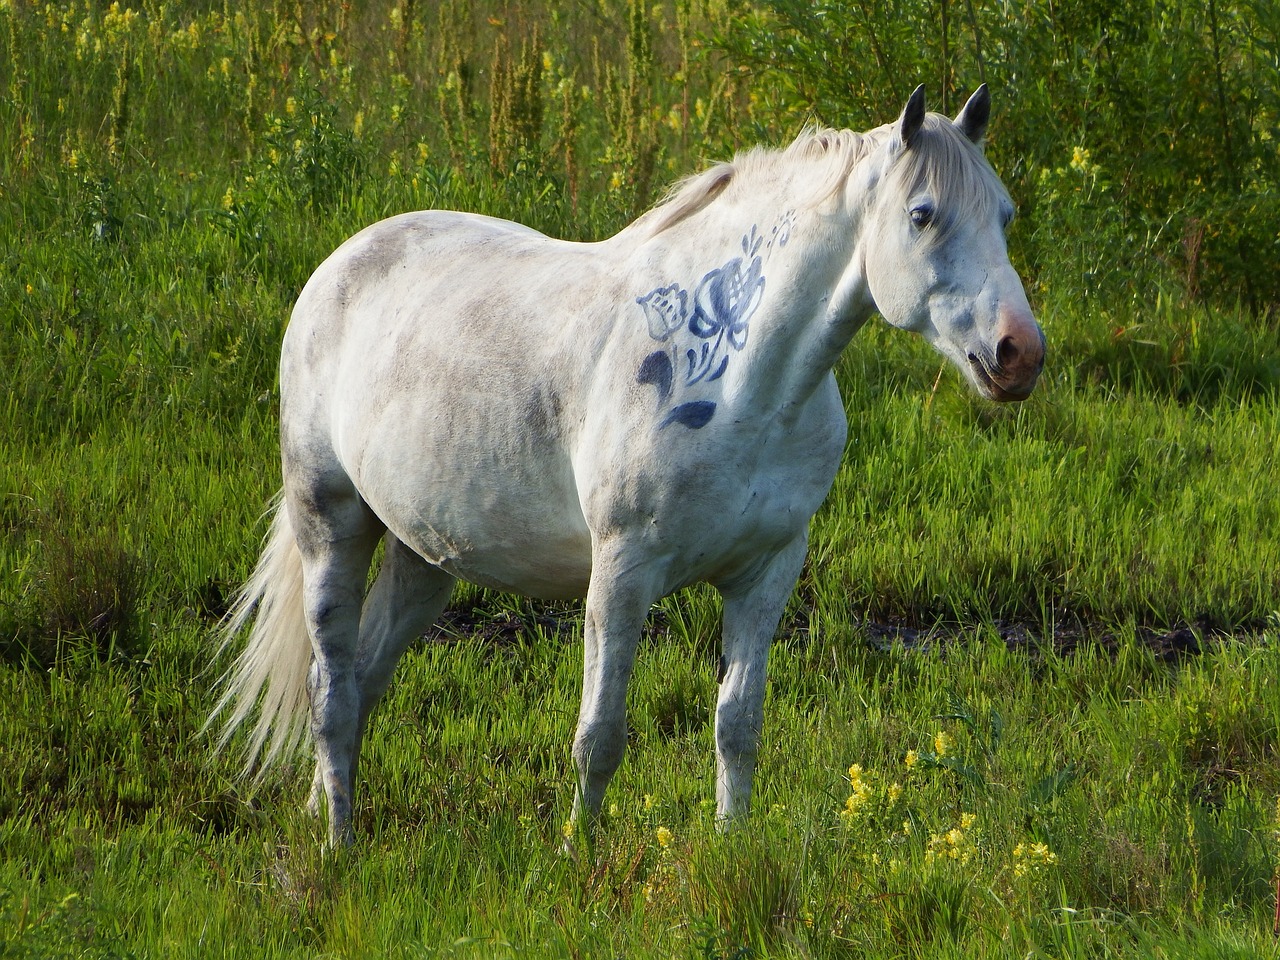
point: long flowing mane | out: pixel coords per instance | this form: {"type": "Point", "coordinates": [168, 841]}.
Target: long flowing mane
{"type": "Point", "coordinates": [941, 161]}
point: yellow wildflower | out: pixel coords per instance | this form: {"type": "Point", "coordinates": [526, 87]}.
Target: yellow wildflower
{"type": "Point", "coordinates": [1031, 859]}
{"type": "Point", "coordinates": [859, 792]}
{"type": "Point", "coordinates": [952, 845]}
{"type": "Point", "coordinates": [664, 837]}
{"type": "Point", "coordinates": [911, 759]}
{"type": "Point", "coordinates": [857, 800]}
{"type": "Point", "coordinates": [943, 743]}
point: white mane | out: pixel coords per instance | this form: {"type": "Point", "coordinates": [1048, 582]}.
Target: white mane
{"type": "Point", "coordinates": [941, 161]}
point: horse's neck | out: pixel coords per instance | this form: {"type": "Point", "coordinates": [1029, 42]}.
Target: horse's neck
{"type": "Point", "coordinates": [815, 299]}
{"type": "Point", "coordinates": [764, 280]}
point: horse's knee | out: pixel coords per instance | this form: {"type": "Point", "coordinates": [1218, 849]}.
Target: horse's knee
{"type": "Point", "coordinates": [598, 749]}
{"type": "Point", "coordinates": [737, 743]}
{"type": "Point", "coordinates": [737, 727]}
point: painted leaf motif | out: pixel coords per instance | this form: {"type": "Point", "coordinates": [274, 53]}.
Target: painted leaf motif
{"type": "Point", "coordinates": [695, 414]}
{"type": "Point", "coordinates": [657, 369]}
{"type": "Point", "coordinates": [717, 314]}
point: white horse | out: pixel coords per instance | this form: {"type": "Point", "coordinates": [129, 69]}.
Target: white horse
{"type": "Point", "coordinates": [613, 420]}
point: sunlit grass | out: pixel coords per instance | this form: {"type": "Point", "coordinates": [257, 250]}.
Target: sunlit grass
{"type": "Point", "coordinates": [1054, 799]}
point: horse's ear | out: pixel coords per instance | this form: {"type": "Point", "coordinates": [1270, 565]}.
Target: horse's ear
{"type": "Point", "coordinates": [973, 116]}
{"type": "Point", "coordinates": [912, 118]}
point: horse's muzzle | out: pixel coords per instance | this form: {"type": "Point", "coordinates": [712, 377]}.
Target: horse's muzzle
{"type": "Point", "coordinates": [1011, 373]}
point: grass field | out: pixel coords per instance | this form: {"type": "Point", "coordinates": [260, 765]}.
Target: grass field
{"type": "Point", "coordinates": [1026, 697]}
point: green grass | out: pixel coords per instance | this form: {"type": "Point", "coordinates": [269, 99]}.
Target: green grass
{"type": "Point", "coordinates": [148, 266]}
{"type": "Point", "coordinates": [1151, 783]}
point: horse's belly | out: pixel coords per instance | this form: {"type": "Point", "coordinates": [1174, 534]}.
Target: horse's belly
{"type": "Point", "coordinates": [483, 512]}
{"type": "Point", "coordinates": [551, 559]}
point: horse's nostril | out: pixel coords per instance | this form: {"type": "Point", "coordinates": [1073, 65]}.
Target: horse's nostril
{"type": "Point", "coordinates": [1007, 351]}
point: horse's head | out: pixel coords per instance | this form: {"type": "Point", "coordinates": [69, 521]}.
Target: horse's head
{"type": "Point", "coordinates": [935, 255]}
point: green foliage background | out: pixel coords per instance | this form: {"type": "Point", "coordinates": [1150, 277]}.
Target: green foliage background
{"type": "Point", "coordinates": [171, 173]}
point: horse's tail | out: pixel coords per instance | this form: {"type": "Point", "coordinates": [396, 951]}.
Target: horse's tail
{"type": "Point", "coordinates": [271, 671]}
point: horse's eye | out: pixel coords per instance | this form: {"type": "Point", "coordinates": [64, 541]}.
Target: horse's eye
{"type": "Point", "coordinates": [922, 215]}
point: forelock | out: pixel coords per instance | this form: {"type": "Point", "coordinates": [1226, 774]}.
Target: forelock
{"type": "Point", "coordinates": [943, 163]}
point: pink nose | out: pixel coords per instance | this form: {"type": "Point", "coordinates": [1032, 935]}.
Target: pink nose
{"type": "Point", "coordinates": [1019, 355]}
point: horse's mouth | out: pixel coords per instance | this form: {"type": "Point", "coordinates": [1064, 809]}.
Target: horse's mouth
{"type": "Point", "coordinates": [985, 373]}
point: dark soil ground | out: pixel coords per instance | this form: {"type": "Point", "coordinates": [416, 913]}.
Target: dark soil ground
{"type": "Point", "coordinates": [1172, 644]}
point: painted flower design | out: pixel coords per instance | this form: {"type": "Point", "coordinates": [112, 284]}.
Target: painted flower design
{"type": "Point", "coordinates": [664, 309]}
{"type": "Point", "coordinates": [723, 304]}
{"type": "Point", "coordinates": [706, 326]}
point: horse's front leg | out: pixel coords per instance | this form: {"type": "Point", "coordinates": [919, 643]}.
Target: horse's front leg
{"type": "Point", "coordinates": [618, 600]}
{"type": "Point", "coordinates": [751, 615]}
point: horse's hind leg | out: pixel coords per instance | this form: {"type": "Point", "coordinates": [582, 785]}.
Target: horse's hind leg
{"type": "Point", "coordinates": [405, 600]}
{"type": "Point", "coordinates": [336, 535]}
